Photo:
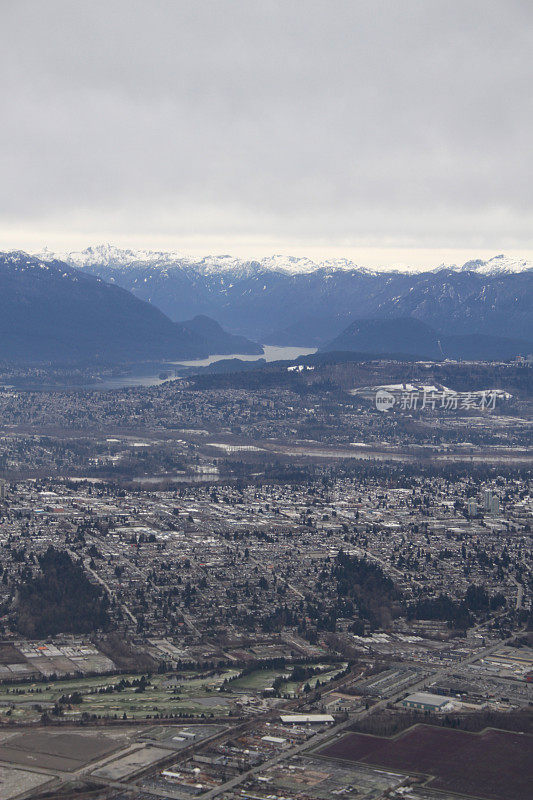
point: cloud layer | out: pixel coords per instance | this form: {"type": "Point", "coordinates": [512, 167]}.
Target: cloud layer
{"type": "Point", "coordinates": [371, 123]}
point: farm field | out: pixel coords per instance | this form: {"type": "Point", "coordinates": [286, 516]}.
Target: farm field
{"type": "Point", "coordinates": [493, 764]}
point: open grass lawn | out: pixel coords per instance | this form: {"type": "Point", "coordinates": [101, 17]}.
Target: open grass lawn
{"type": "Point", "coordinates": [257, 680]}
{"type": "Point", "coordinates": [261, 679]}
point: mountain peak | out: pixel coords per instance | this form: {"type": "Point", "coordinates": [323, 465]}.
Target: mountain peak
{"type": "Point", "coordinates": [106, 255]}
{"type": "Point", "coordinates": [500, 264]}
{"type": "Point", "coordinates": [295, 301]}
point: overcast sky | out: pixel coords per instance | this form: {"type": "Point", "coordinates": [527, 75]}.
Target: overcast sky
{"type": "Point", "coordinates": [393, 130]}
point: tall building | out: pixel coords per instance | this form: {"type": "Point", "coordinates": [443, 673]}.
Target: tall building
{"type": "Point", "coordinates": [3, 489]}
{"type": "Point", "coordinates": [471, 507]}
{"type": "Point", "coordinates": [487, 500]}
{"type": "Point", "coordinates": [495, 505]}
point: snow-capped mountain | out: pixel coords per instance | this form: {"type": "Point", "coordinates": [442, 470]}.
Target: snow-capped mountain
{"type": "Point", "coordinates": [104, 254]}
{"type": "Point", "coordinates": [107, 255]}
{"type": "Point", "coordinates": [296, 301]}
{"type": "Point", "coordinates": [498, 265]}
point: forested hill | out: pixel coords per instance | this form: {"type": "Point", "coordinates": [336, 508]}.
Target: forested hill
{"type": "Point", "coordinates": [50, 311]}
{"type": "Point", "coordinates": [59, 599]}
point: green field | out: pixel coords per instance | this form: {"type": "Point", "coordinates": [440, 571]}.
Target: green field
{"type": "Point", "coordinates": [261, 679]}
{"type": "Point", "coordinates": [185, 693]}
{"type": "Point", "coordinates": [258, 680]}
{"type": "Point", "coordinates": [182, 693]}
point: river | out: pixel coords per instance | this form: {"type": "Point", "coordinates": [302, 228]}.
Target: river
{"type": "Point", "coordinates": [271, 353]}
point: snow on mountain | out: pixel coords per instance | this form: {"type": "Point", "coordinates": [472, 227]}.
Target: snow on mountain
{"type": "Point", "coordinates": [497, 265]}
{"type": "Point", "coordinates": [111, 256]}
{"type": "Point", "coordinates": [107, 255]}
{"type": "Point", "coordinates": [295, 265]}
{"type": "Point", "coordinates": [115, 257]}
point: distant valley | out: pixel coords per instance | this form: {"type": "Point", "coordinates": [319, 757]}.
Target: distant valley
{"type": "Point", "coordinates": [107, 305]}
{"type": "Point", "coordinates": [291, 301]}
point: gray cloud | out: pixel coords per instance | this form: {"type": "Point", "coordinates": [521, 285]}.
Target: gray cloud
{"type": "Point", "coordinates": [375, 123]}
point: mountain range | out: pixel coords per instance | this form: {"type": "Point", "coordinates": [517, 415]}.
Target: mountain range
{"type": "Point", "coordinates": [111, 256]}
{"type": "Point", "coordinates": [50, 311]}
{"type": "Point", "coordinates": [117, 305]}
{"type": "Point", "coordinates": [295, 301]}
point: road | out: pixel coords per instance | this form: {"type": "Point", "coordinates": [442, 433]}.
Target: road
{"type": "Point", "coordinates": [519, 593]}
{"type": "Point", "coordinates": [109, 591]}
{"type": "Point", "coordinates": [343, 726]}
